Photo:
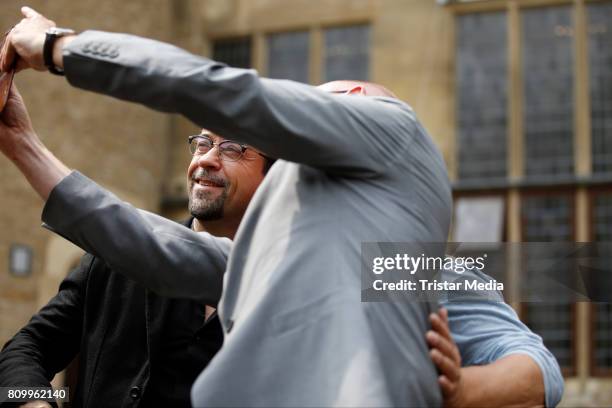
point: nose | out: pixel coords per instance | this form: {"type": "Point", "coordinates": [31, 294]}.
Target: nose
{"type": "Point", "coordinates": [210, 159]}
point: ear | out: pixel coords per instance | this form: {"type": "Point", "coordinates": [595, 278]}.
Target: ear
{"type": "Point", "coordinates": [356, 90]}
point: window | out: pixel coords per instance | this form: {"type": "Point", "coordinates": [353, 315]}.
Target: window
{"type": "Point", "coordinates": [554, 322]}
{"type": "Point", "coordinates": [600, 61]}
{"type": "Point", "coordinates": [528, 63]}
{"type": "Point", "coordinates": [347, 53]}
{"type": "Point", "coordinates": [478, 219]}
{"type": "Point", "coordinates": [288, 56]}
{"type": "Point", "coordinates": [602, 217]}
{"type": "Point", "coordinates": [343, 54]}
{"type": "Point", "coordinates": [481, 78]}
{"type": "Point", "coordinates": [602, 338]}
{"type": "Point", "coordinates": [549, 218]}
{"type": "Point", "coordinates": [602, 312]}
{"type": "Point", "coordinates": [235, 52]}
{"type": "Point", "coordinates": [547, 46]}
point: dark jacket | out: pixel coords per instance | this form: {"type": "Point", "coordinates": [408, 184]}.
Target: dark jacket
{"type": "Point", "coordinates": [122, 332]}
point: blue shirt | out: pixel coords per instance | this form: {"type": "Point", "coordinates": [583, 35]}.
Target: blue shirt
{"type": "Point", "coordinates": [486, 331]}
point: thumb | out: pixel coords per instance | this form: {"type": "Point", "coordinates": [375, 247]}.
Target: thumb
{"type": "Point", "coordinates": [29, 12]}
{"type": "Point", "coordinates": [14, 101]}
{"type": "Point", "coordinates": [15, 92]}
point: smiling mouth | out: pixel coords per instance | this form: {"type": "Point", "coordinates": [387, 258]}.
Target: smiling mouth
{"type": "Point", "coordinates": [208, 183]}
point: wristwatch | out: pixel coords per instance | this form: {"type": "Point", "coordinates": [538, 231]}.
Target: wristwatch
{"type": "Point", "coordinates": [52, 35]}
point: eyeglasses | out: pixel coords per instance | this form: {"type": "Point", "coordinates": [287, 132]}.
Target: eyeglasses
{"type": "Point", "coordinates": [228, 150]}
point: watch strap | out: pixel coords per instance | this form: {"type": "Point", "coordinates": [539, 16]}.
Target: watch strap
{"type": "Point", "coordinates": [51, 37]}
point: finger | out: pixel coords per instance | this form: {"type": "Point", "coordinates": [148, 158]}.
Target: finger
{"type": "Point", "coordinates": [8, 55]}
{"type": "Point", "coordinates": [432, 338]}
{"type": "Point", "coordinates": [14, 97]}
{"type": "Point", "coordinates": [15, 92]}
{"type": "Point", "coordinates": [9, 101]}
{"type": "Point", "coordinates": [29, 12]}
{"type": "Point", "coordinates": [441, 326]}
{"type": "Point", "coordinates": [446, 366]}
{"type": "Point", "coordinates": [438, 325]}
{"type": "Point", "coordinates": [445, 347]}
{"type": "Point", "coordinates": [444, 314]}
{"type": "Point", "coordinates": [3, 52]}
{"type": "Point", "coordinates": [13, 104]}
{"type": "Point", "coordinates": [447, 386]}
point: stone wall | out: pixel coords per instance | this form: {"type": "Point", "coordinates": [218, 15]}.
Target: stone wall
{"type": "Point", "coordinates": [122, 146]}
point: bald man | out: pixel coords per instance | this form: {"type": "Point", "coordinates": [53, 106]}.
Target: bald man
{"type": "Point", "coordinates": [354, 166]}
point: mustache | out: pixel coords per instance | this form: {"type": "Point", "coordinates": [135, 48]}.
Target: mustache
{"type": "Point", "coordinates": [202, 173]}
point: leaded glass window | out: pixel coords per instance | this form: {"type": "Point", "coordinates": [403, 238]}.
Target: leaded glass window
{"type": "Point", "coordinates": [288, 56]}
{"type": "Point", "coordinates": [482, 95]}
{"type": "Point", "coordinates": [548, 111]}
{"type": "Point", "coordinates": [347, 53]}
{"type": "Point", "coordinates": [548, 218]}
{"type": "Point", "coordinates": [600, 66]}
{"type": "Point", "coordinates": [235, 52]}
{"type": "Point", "coordinates": [602, 324]}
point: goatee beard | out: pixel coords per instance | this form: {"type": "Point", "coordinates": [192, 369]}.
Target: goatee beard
{"type": "Point", "coordinates": [200, 206]}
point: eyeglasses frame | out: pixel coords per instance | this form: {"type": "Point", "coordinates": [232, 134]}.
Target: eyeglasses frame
{"type": "Point", "coordinates": [243, 147]}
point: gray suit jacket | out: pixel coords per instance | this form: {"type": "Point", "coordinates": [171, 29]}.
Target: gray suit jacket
{"type": "Point", "coordinates": [351, 170]}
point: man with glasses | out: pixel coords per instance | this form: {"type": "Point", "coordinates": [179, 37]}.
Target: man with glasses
{"type": "Point", "coordinates": [135, 347]}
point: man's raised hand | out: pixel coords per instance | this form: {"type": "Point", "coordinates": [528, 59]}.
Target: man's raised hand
{"type": "Point", "coordinates": [25, 42]}
{"type": "Point", "coordinates": [15, 124]}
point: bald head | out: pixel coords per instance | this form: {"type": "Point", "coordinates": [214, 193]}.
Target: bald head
{"type": "Point", "coordinates": [356, 87]}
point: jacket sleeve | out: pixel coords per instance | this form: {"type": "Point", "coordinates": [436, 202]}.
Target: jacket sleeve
{"type": "Point", "coordinates": [160, 254]}
{"type": "Point", "coordinates": [284, 119]}
{"type": "Point", "coordinates": [51, 339]}
{"type": "Point", "coordinates": [486, 331]}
